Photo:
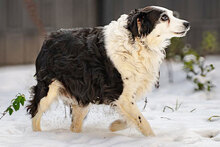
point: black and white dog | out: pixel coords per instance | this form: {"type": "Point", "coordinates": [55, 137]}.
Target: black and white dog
{"type": "Point", "coordinates": [115, 64]}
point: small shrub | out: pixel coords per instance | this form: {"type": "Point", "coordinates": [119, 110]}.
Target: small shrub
{"type": "Point", "coordinates": [197, 70]}
{"type": "Point", "coordinates": [209, 42]}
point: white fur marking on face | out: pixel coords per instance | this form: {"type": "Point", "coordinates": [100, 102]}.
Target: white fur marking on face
{"type": "Point", "coordinates": [174, 27]}
{"type": "Point", "coordinates": [161, 8]}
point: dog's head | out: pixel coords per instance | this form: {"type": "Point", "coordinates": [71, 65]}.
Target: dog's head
{"type": "Point", "coordinates": [156, 23]}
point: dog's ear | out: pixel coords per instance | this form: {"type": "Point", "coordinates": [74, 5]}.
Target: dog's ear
{"type": "Point", "coordinates": [139, 23]}
{"type": "Point", "coordinates": [133, 22]}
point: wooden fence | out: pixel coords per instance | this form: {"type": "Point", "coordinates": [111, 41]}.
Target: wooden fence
{"type": "Point", "coordinates": [20, 41]}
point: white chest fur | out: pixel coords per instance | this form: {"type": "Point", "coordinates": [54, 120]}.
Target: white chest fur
{"type": "Point", "coordinates": [136, 62]}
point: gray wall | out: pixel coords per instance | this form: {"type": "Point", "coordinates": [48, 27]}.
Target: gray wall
{"type": "Point", "coordinates": [20, 40]}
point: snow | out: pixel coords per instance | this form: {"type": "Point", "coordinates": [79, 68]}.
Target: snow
{"type": "Point", "coordinates": [188, 126]}
{"type": "Point", "coordinates": [189, 58]}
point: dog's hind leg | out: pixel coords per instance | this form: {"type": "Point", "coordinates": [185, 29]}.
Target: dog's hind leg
{"type": "Point", "coordinates": [45, 103]}
{"type": "Point", "coordinates": [118, 125]}
{"type": "Point", "coordinates": [78, 115]}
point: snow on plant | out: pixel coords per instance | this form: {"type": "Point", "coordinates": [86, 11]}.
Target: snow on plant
{"type": "Point", "coordinates": [197, 70]}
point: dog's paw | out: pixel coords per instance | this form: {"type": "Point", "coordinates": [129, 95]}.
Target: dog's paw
{"type": "Point", "coordinates": [36, 124]}
{"type": "Point", "coordinates": [118, 125]}
{"type": "Point", "coordinates": [75, 129]}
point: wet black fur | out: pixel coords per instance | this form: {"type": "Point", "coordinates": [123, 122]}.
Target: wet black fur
{"type": "Point", "coordinates": [77, 58]}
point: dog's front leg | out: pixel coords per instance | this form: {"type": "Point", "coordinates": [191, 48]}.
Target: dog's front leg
{"type": "Point", "coordinates": [128, 108]}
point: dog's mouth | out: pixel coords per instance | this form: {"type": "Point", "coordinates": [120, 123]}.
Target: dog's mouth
{"type": "Point", "coordinates": [180, 33]}
{"type": "Point", "coordinates": [183, 32]}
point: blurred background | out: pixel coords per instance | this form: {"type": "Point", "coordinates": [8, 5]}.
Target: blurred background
{"type": "Point", "coordinates": [23, 23]}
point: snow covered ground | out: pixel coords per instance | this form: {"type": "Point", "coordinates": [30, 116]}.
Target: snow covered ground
{"type": "Point", "coordinates": [188, 126]}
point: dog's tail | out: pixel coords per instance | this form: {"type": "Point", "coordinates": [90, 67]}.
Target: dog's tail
{"type": "Point", "coordinates": [37, 93]}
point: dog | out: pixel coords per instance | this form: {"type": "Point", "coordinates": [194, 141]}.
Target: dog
{"type": "Point", "coordinates": [114, 65]}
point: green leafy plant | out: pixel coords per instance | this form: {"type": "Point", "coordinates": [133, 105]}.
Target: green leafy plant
{"type": "Point", "coordinates": [15, 105]}
{"type": "Point", "coordinates": [197, 70]}
{"type": "Point", "coordinates": [209, 42]}
{"type": "Point", "coordinates": [174, 51]}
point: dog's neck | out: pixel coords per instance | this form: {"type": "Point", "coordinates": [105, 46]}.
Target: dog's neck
{"type": "Point", "coordinates": [151, 41]}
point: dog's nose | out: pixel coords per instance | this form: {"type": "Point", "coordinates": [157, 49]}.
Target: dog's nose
{"type": "Point", "coordinates": [186, 24]}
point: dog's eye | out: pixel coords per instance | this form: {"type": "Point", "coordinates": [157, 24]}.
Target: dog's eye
{"type": "Point", "coordinates": [164, 17]}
